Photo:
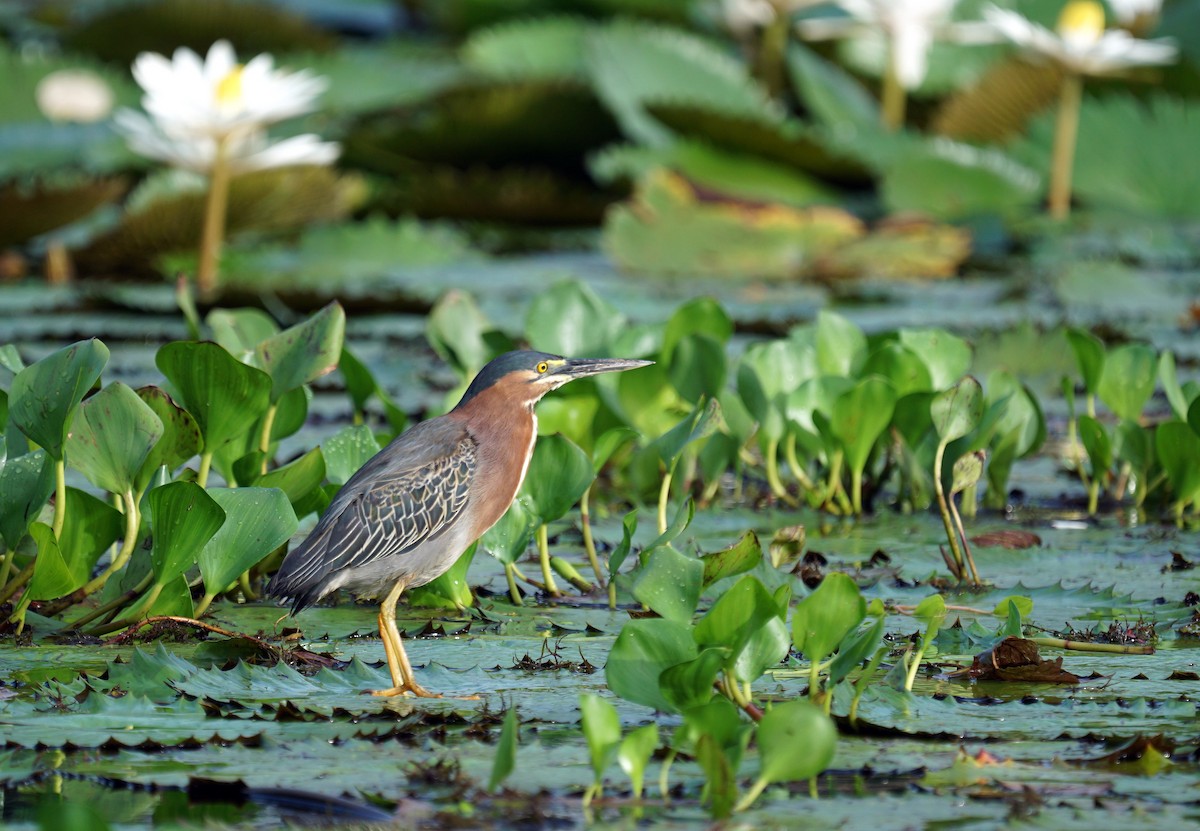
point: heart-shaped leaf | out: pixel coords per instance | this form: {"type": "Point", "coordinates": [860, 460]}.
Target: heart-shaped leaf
{"type": "Point", "coordinates": [111, 438]}
{"type": "Point", "coordinates": [641, 653]}
{"type": "Point", "coordinates": [225, 396]}
{"type": "Point", "coordinates": [44, 395]}
{"type": "Point", "coordinates": [303, 352]}
{"type": "Point", "coordinates": [257, 521]}
{"type": "Point", "coordinates": [183, 518]}
{"type": "Point", "coordinates": [558, 474]}
{"type": "Point", "coordinates": [823, 619]}
{"type": "Point", "coordinates": [958, 410]}
{"type": "Point", "coordinates": [796, 740]}
{"type": "Point", "coordinates": [670, 583]}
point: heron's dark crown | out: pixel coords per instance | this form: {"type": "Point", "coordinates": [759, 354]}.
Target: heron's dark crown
{"type": "Point", "coordinates": [520, 360]}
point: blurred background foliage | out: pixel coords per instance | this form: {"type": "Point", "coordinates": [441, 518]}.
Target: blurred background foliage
{"type": "Point", "coordinates": [655, 129]}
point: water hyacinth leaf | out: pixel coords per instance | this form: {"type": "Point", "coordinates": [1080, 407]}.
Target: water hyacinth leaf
{"type": "Point", "coordinates": [841, 344]}
{"type": "Point", "coordinates": [44, 395]}
{"type": "Point", "coordinates": [859, 647]}
{"type": "Point", "coordinates": [361, 385]}
{"type": "Point", "coordinates": [459, 333]}
{"type": "Point", "coordinates": [241, 330]}
{"type": "Point", "coordinates": [966, 472]}
{"type": "Point", "coordinates": [1127, 379]}
{"type": "Point", "coordinates": [931, 612]}
{"type": "Point", "coordinates": [796, 740]}
{"type": "Point", "coordinates": [1169, 379]}
{"type": "Point", "coordinates": [257, 521]}
{"type": "Point", "coordinates": [298, 478]}
{"type": "Point", "coordinates": [737, 615]}
{"type": "Point", "coordinates": [225, 396]}
{"type": "Point", "coordinates": [558, 474]}
{"type": "Point", "coordinates": [701, 423]}
{"type": "Point", "coordinates": [1097, 444]}
{"type": "Point", "coordinates": [901, 366]}
{"type": "Point", "coordinates": [91, 526]}
{"type": "Point", "coordinates": [742, 556]}
{"type": "Point", "coordinates": [642, 652]}
{"type": "Point", "coordinates": [859, 417]}
{"type": "Point", "coordinates": [26, 482]}
{"type": "Point", "coordinates": [1021, 415]}
{"type": "Point", "coordinates": [111, 437]}
{"type": "Point", "coordinates": [183, 518]}
{"type": "Point", "coordinates": [620, 551]}
{"type": "Point", "coordinates": [510, 537]}
{"type": "Point", "coordinates": [346, 451]}
{"type": "Point", "coordinates": [947, 356]}
{"type": "Point", "coordinates": [571, 319]}
{"type": "Point", "coordinates": [1023, 603]}
{"type": "Point", "coordinates": [180, 440]}
{"type": "Point", "coordinates": [822, 620]}
{"type": "Point", "coordinates": [634, 755]}
{"type": "Point", "coordinates": [719, 774]}
{"type": "Point", "coordinates": [1178, 448]}
{"type": "Point", "coordinates": [609, 442]}
{"type": "Point", "coordinates": [697, 367]}
{"type": "Point", "coordinates": [304, 352]}
{"type": "Point", "coordinates": [602, 728]}
{"type": "Point", "coordinates": [769, 369]}
{"type": "Point", "coordinates": [670, 583]}
{"type": "Point", "coordinates": [505, 760]}
{"type": "Point", "coordinates": [766, 648]}
{"type": "Point", "coordinates": [690, 684]}
{"type": "Point", "coordinates": [1089, 357]}
{"type": "Point", "coordinates": [10, 358]}
{"type": "Point", "coordinates": [958, 410]}
{"type": "Point", "coordinates": [1193, 416]}
{"type": "Point", "coordinates": [701, 316]}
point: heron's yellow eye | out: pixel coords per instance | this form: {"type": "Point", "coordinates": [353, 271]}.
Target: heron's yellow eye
{"type": "Point", "coordinates": [542, 367]}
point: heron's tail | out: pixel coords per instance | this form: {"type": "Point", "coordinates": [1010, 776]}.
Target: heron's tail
{"type": "Point", "coordinates": [300, 578]}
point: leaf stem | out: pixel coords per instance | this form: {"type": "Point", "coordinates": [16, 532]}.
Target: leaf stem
{"type": "Point", "coordinates": [510, 574]}
{"type": "Point", "coordinates": [664, 492]}
{"type": "Point", "coordinates": [940, 491]}
{"type": "Point", "coordinates": [893, 98]}
{"type": "Point", "coordinates": [755, 791]}
{"type": "Point", "coordinates": [1084, 646]}
{"type": "Point", "coordinates": [543, 542]}
{"type": "Point", "coordinates": [772, 469]}
{"type": "Point", "coordinates": [970, 558]}
{"type": "Point", "coordinates": [1066, 130]}
{"type": "Point", "coordinates": [60, 496]}
{"type": "Point", "coordinates": [264, 440]}
{"type": "Point", "coordinates": [205, 465]}
{"type": "Point", "coordinates": [128, 543]}
{"type": "Point", "coordinates": [585, 527]}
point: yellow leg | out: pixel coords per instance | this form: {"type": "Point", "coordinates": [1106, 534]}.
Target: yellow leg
{"type": "Point", "coordinates": [398, 665]}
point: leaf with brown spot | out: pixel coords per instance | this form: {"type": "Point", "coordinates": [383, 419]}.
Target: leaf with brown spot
{"type": "Point", "coordinates": [1017, 659]}
{"type": "Point", "coordinates": [1012, 539]}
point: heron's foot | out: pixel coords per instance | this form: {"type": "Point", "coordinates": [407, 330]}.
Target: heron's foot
{"type": "Point", "coordinates": [405, 689]}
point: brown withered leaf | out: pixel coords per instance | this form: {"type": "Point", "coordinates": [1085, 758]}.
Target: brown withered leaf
{"type": "Point", "coordinates": [1007, 538]}
{"type": "Point", "coordinates": [1017, 659]}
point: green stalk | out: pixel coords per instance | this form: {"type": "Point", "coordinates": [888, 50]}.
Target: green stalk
{"type": "Point", "coordinates": [205, 465]}
{"type": "Point", "coordinates": [755, 791]}
{"type": "Point", "coordinates": [664, 491]}
{"type": "Point", "coordinates": [814, 679]}
{"type": "Point", "coordinates": [128, 543]}
{"type": "Point", "coordinates": [1083, 646]}
{"type": "Point", "coordinates": [543, 541]}
{"type": "Point", "coordinates": [975, 581]}
{"type": "Point", "coordinates": [585, 527]}
{"type": "Point", "coordinates": [60, 496]}
{"type": "Point", "coordinates": [773, 480]}
{"type": "Point", "coordinates": [1066, 131]}
{"type": "Point", "coordinates": [894, 102]}
{"type": "Point", "coordinates": [797, 469]}
{"type": "Point", "coordinates": [264, 441]}
{"type": "Point", "coordinates": [510, 574]}
{"type": "Point", "coordinates": [213, 234]}
{"type": "Point", "coordinates": [18, 583]}
{"type": "Point", "coordinates": [856, 491]}
{"type": "Point", "coordinates": [6, 569]}
{"type": "Point", "coordinates": [940, 491]}
{"type": "Point", "coordinates": [112, 605]}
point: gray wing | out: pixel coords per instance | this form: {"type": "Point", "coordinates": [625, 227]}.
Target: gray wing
{"type": "Point", "coordinates": [396, 502]}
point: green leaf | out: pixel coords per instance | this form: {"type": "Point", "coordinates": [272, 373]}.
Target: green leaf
{"type": "Point", "coordinates": [111, 437]}
{"type": "Point", "coordinates": [257, 521]}
{"type": "Point", "coordinates": [361, 385]}
{"type": "Point", "coordinates": [602, 729]}
{"type": "Point", "coordinates": [558, 474]}
{"type": "Point", "coordinates": [1089, 356]}
{"type": "Point", "coordinates": [571, 319]}
{"type": "Point", "coordinates": [670, 583]}
{"type": "Point", "coordinates": [509, 538]}
{"type": "Point", "coordinates": [697, 368]}
{"type": "Point", "coordinates": [931, 612]}
{"type": "Point", "coordinates": [183, 518]}
{"type": "Point", "coordinates": [958, 410]}
{"type": "Point", "coordinates": [298, 478]}
{"type": "Point", "coordinates": [225, 396]}
{"type": "Point", "coordinates": [620, 551]}
{"type": "Point", "coordinates": [1127, 380]}
{"type": "Point", "coordinates": [635, 752]}
{"type": "Point", "coordinates": [738, 614]}
{"type": "Point", "coordinates": [841, 345]}
{"type": "Point", "coordinates": [822, 620]}
{"type": "Point", "coordinates": [66, 564]}
{"type": "Point", "coordinates": [796, 740]}
{"type": "Point", "coordinates": [26, 482]}
{"type": "Point", "coordinates": [901, 366]}
{"type": "Point", "coordinates": [1170, 384]}
{"type": "Point", "coordinates": [609, 442]}
{"type": "Point", "coordinates": [346, 451]}
{"type": "Point", "coordinates": [834, 97]}
{"type": "Point", "coordinates": [1178, 447]}
{"type": "Point", "coordinates": [241, 330]}
{"type": "Point", "coordinates": [1097, 444]}
{"type": "Point", "coordinates": [947, 356]}
{"type": "Point", "coordinates": [1024, 606]}
{"type": "Point", "coordinates": [859, 417]}
{"type": "Point", "coordinates": [719, 774]}
{"type": "Point", "coordinates": [967, 472]}
{"type": "Point", "coordinates": [458, 332]}
{"type": "Point", "coordinates": [543, 48]}
{"type": "Point", "coordinates": [180, 440]}
{"type": "Point", "coordinates": [690, 684]}
{"type": "Point", "coordinates": [505, 760]}
{"type": "Point", "coordinates": [304, 352]}
{"type": "Point", "coordinates": [742, 556]}
{"type": "Point", "coordinates": [642, 652]}
{"type": "Point", "coordinates": [44, 395]}
{"type": "Point", "coordinates": [450, 589]}
{"type": "Point", "coordinates": [857, 648]}
{"type": "Point", "coordinates": [701, 423]}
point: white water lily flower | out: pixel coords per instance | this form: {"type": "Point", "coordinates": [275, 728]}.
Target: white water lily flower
{"type": "Point", "coordinates": [1082, 45]}
{"type": "Point", "coordinates": [245, 151]}
{"type": "Point", "coordinates": [74, 95]}
{"type": "Point", "coordinates": [219, 96]}
{"type": "Point", "coordinates": [909, 26]}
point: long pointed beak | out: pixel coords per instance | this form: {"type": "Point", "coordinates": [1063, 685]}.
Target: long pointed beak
{"type": "Point", "coordinates": [583, 367]}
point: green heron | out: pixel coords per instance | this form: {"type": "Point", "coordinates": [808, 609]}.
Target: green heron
{"type": "Point", "coordinates": [411, 510]}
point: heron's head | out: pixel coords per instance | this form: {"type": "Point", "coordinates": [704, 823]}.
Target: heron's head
{"type": "Point", "coordinates": [527, 375]}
